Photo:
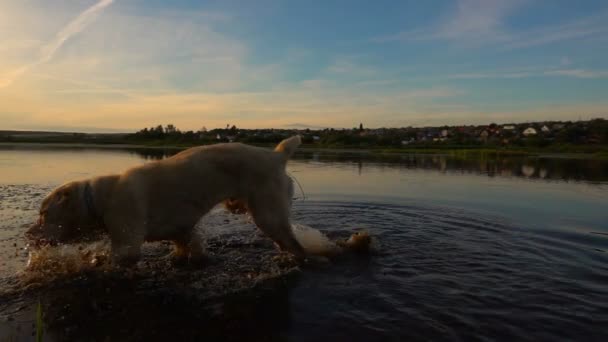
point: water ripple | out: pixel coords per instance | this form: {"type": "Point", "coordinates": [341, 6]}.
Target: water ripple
{"type": "Point", "coordinates": [450, 274]}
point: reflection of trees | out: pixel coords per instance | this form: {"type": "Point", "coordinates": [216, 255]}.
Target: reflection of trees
{"type": "Point", "coordinates": [492, 166]}
{"type": "Point", "coordinates": [153, 153]}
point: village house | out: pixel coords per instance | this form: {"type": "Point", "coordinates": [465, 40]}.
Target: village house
{"type": "Point", "coordinates": [529, 131]}
{"type": "Point", "coordinates": [483, 136]}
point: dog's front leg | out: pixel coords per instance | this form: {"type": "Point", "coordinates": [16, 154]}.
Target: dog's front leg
{"type": "Point", "coordinates": [126, 240]}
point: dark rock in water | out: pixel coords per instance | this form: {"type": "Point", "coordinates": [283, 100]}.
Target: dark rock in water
{"type": "Point", "coordinates": [240, 294]}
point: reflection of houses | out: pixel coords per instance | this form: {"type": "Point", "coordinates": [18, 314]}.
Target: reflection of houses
{"type": "Point", "coordinates": [529, 131]}
{"type": "Point", "coordinates": [483, 136]}
{"type": "Point", "coordinates": [527, 170]}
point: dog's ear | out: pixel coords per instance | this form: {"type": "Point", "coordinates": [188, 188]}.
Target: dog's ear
{"type": "Point", "coordinates": [64, 195]}
{"type": "Point", "coordinates": [288, 146]}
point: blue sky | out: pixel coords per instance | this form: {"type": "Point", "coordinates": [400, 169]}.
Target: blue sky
{"type": "Point", "coordinates": [102, 65]}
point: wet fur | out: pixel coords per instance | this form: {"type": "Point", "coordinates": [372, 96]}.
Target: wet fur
{"type": "Point", "coordinates": [164, 200]}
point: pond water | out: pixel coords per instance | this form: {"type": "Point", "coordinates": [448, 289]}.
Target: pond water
{"type": "Point", "coordinates": [465, 248]}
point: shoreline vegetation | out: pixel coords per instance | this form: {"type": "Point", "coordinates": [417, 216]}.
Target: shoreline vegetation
{"type": "Point", "coordinates": [570, 152]}
{"type": "Point", "coordinates": [579, 139]}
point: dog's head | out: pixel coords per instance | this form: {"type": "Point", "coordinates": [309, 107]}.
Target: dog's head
{"type": "Point", "coordinates": [65, 216]}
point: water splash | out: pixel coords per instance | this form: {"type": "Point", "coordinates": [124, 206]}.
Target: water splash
{"type": "Point", "coordinates": [313, 241]}
{"type": "Point", "coordinates": [51, 262]}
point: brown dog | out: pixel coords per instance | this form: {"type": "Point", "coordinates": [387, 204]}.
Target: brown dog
{"type": "Point", "coordinates": [164, 200]}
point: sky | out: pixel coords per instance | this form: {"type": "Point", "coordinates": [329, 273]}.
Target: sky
{"type": "Point", "coordinates": [121, 65]}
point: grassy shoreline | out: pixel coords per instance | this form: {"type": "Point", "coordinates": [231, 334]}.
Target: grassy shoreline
{"type": "Point", "coordinates": [571, 152]}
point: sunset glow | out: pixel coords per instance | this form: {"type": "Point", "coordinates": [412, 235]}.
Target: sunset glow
{"type": "Point", "coordinates": [115, 65]}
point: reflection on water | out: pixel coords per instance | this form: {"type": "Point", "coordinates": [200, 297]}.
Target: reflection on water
{"type": "Point", "coordinates": [470, 249]}
{"type": "Point", "coordinates": [543, 167]}
{"type": "Point", "coordinates": [492, 166]}
{"type": "Point", "coordinates": [550, 168]}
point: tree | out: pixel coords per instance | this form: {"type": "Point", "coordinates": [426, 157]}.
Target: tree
{"type": "Point", "coordinates": [170, 129]}
{"type": "Point", "coordinates": [360, 127]}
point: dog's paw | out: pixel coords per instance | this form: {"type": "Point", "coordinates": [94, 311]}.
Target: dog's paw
{"type": "Point", "coordinates": [183, 260]}
{"type": "Point", "coordinates": [176, 258]}
{"type": "Point", "coordinates": [198, 260]}
{"type": "Point", "coordinates": [123, 261]}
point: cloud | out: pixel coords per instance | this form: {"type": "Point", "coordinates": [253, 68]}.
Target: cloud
{"type": "Point", "coordinates": [347, 66]}
{"type": "Point", "coordinates": [533, 72]}
{"type": "Point", "coordinates": [72, 28]}
{"type": "Point", "coordinates": [48, 50]}
{"type": "Point", "coordinates": [581, 28]}
{"type": "Point", "coordinates": [325, 105]}
{"type": "Point", "coordinates": [481, 19]}
{"type": "Point", "coordinates": [466, 115]}
{"type": "Point", "coordinates": [578, 73]}
{"type": "Point", "coordinates": [491, 75]}
{"type": "Point", "coordinates": [470, 20]}
{"type": "Point", "coordinates": [486, 22]}
{"type": "Point", "coordinates": [303, 126]}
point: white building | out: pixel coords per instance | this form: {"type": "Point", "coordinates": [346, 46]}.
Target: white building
{"type": "Point", "coordinates": [529, 131]}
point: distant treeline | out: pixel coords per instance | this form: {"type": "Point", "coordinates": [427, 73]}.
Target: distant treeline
{"type": "Point", "coordinates": [538, 134]}
{"type": "Point", "coordinates": [569, 136]}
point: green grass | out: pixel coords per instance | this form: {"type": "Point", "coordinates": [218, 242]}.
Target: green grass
{"type": "Point", "coordinates": [462, 151]}
{"type": "Point", "coordinates": [39, 323]}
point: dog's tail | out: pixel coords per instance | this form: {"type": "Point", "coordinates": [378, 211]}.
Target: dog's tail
{"type": "Point", "coordinates": [288, 146]}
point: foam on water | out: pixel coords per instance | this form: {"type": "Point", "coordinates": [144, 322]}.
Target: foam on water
{"type": "Point", "coordinates": [50, 262]}
{"type": "Point", "coordinates": [313, 241]}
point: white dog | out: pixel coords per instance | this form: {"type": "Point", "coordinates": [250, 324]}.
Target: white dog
{"type": "Point", "coordinates": [163, 200]}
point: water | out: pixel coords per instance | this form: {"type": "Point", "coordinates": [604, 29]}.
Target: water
{"type": "Point", "coordinates": [469, 249]}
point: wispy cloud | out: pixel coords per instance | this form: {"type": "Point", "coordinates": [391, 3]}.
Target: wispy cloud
{"type": "Point", "coordinates": [574, 73]}
{"type": "Point", "coordinates": [581, 28]}
{"type": "Point", "coordinates": [48, 50]}
{"type": "Point", "coordinates": [481, 75]}
{"type": "Point", "coordinates": [486, 22]}
{"type": "Point", "coordinates": [349, 67]}
{"type": "Point", "coordinates": [578, 73]}
{"type": "Point", "coordinates": [471, 20]}
{"type": "Point", "coordinates": [302, 126]}
{"type": "Point", "coordinates": [72, 28]}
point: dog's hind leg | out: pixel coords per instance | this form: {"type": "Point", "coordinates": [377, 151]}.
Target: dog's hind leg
{"type": "Point", "coordinates": [271, 215]}
{"type": "Point", "coordinates": [189, 248]}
